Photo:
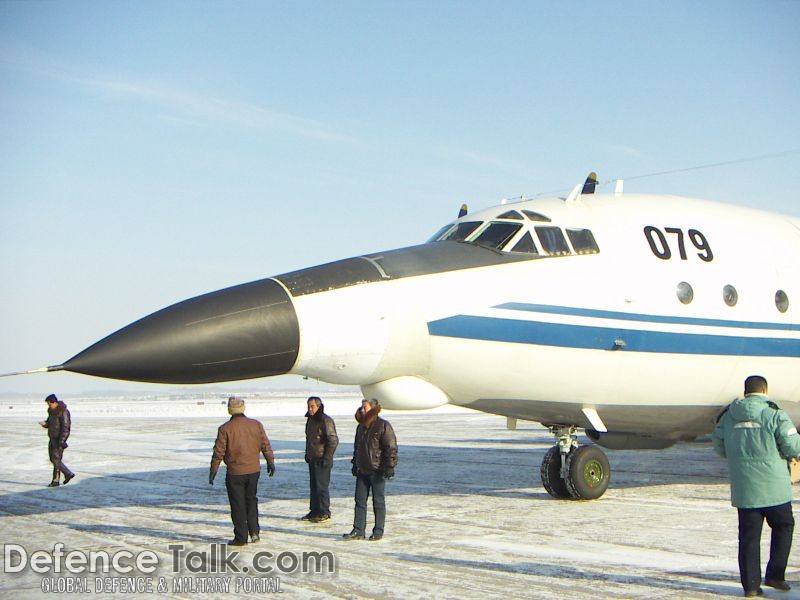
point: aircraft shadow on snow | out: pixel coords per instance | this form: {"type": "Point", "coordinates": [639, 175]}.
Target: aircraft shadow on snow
{"type": "Point", "coordinates": [423, 470]}
{"type": "Point", "coordinates": [589, 577]}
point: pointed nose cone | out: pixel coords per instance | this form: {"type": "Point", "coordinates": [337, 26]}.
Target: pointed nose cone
{"type": "Point", "coordinates": [242, 332]}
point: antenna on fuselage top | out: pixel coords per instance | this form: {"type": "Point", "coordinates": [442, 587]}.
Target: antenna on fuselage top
{"type": "Point", "coordinates": [590, 184]}
{"type": "Point", "coordinates": [588, 188]}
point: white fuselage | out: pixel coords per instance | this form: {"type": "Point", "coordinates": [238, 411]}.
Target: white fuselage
{"type": "Point", "coordinates": [545, 338]}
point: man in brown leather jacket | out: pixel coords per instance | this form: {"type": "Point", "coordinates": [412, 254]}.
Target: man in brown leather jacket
{"type": "Point", "coordinates": [374, 460]}
{"type": "Point", "coordinates": [321, 442]}
{"type": "Point", "coordinates": [239, 442]}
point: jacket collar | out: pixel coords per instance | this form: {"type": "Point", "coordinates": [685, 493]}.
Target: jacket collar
{"type": "Point", "coordinates": [58, 410]}
{"type": "Point", "coordinates": [317, 415]}
{"type": "Point", "coordinates": [367, 419]}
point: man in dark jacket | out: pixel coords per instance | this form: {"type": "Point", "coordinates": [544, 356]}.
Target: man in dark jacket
{"type": "Point", "coordinates": [239, 442]}
{"type": "Point", "coordinates": [374, 460]}
{"type": "Point", "coordinates": [758, 438]}
{"type": "Point", "coordinates": [58, 424]}
{"type": "Point", "coordinates": [321, 442]}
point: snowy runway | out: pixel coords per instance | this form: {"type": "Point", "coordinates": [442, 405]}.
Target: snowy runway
{"type": "Point", "coordinates": [467, 515]}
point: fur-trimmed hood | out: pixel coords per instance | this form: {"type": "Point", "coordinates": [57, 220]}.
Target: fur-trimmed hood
{"type": "Point", "coordinates": [58, 410]}
{"type": "Point", "coordinates": [367, 419]}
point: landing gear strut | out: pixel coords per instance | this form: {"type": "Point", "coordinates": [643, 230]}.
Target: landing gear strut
{"type": "Point", "coordinates": [572, 471]}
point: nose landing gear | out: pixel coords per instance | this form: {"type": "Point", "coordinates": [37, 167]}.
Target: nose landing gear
{"type": "Point", "coordinates": [572, 471]}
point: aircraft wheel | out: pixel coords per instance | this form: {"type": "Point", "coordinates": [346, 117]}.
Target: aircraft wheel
{"type": "Point", "coordinates": [551, 475]}
{"type": "Point", "coordinates": [589, 473]}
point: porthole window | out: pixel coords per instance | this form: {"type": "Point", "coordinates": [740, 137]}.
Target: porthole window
{"type": "Point", "coordinates": [781, 301]}
{"type": "Point", "coordinates": [730, 295]}
{"type": "Point", "coordinates": [685, 292]}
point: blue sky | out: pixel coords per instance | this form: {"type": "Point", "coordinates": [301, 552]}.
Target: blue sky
{"type": "Point", "coordinates": [154, 151]}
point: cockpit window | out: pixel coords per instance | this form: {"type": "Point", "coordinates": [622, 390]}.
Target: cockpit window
{"type": "Point", "coordinates": [534, 216]}
{"type": "Point", "coordinates": [435, 237]}
{"type": "Point", "coordinates": [583, 241]}
{"type": "Point", "coordinates": [516, 234]}
{"type": "Point", "coordinates": [497, 234]}
{"type": "Point", "coordinates": [552, 240]}
{"type": "Point", "coordinates": [525, 244]}
{"type": "Point", "coordinates": [460, 232]}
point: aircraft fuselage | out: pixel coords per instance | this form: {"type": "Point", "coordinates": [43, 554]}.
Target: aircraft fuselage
{"type": "Point", "coordinates": [653, 318]}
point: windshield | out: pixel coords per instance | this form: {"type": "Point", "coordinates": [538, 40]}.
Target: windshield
{"type": "Point", "coordinates": [515, 233]}
{"type": "Point", "coordinates": [457, 233]}
{"type": "Point", "coordinates": [497, 234]}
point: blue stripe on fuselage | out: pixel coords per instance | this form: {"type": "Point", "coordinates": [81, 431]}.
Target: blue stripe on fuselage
{"type": "Point", "coordinates": [624, 316]}
{"type": "Point", "coordinates": [608, 338]}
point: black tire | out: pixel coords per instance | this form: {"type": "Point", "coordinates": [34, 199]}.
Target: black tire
{"type": "Point", "coordinates": [551, 475]}
{"type": "Point", "coordinates": [589, 473]}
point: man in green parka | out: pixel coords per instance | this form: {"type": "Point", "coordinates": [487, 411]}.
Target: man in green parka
{"type": "Point", "coordinates": [758, 438]}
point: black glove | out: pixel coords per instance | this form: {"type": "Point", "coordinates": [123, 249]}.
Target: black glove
{"type": "Point", "coordinates": [64, 445]}
{"type": "Point", "coordinates": [211, 475]}
{"type": "Point", "coordinates": [388, 472]}
{"type": "Point", "coordinates": [326, 463]}
{"type": "Point", "coordinates": [271, 469]}
{"type": "Point", "coordinates": [354, 470]}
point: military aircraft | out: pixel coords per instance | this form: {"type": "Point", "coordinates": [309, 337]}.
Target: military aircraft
{"type": "Point", "coordinates": [634, 317]}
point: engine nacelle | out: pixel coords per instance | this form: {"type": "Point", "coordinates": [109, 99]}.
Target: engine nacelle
{"type": "Point", "coordinates": [629, 441]}
{"type": "Point", "coordinates": [406, 393]}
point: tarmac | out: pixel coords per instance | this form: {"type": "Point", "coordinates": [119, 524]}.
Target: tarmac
{"type": "Point", "coordinates": [467, 514]}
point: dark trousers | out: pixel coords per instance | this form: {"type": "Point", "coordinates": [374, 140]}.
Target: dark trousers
{"type": "Point", "coordinates": [751, 520]}
{"type": "Point", "coordinates": [56, 453]}
{"type": "Point", "coordinates": [244, 504]}
{"type": "Point", "coordinates": [319, 479]}
{"type": "Point", "coordinates": [365, 483]}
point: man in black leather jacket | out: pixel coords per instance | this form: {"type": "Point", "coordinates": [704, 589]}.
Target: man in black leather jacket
{"type": "Point", "coordinates": [58, 424]}
{"type": "Point", "coordinates": [321, 442]}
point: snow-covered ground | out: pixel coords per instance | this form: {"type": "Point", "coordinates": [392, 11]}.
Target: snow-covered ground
{"type": "Point", "coordinates": [467, 515]}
